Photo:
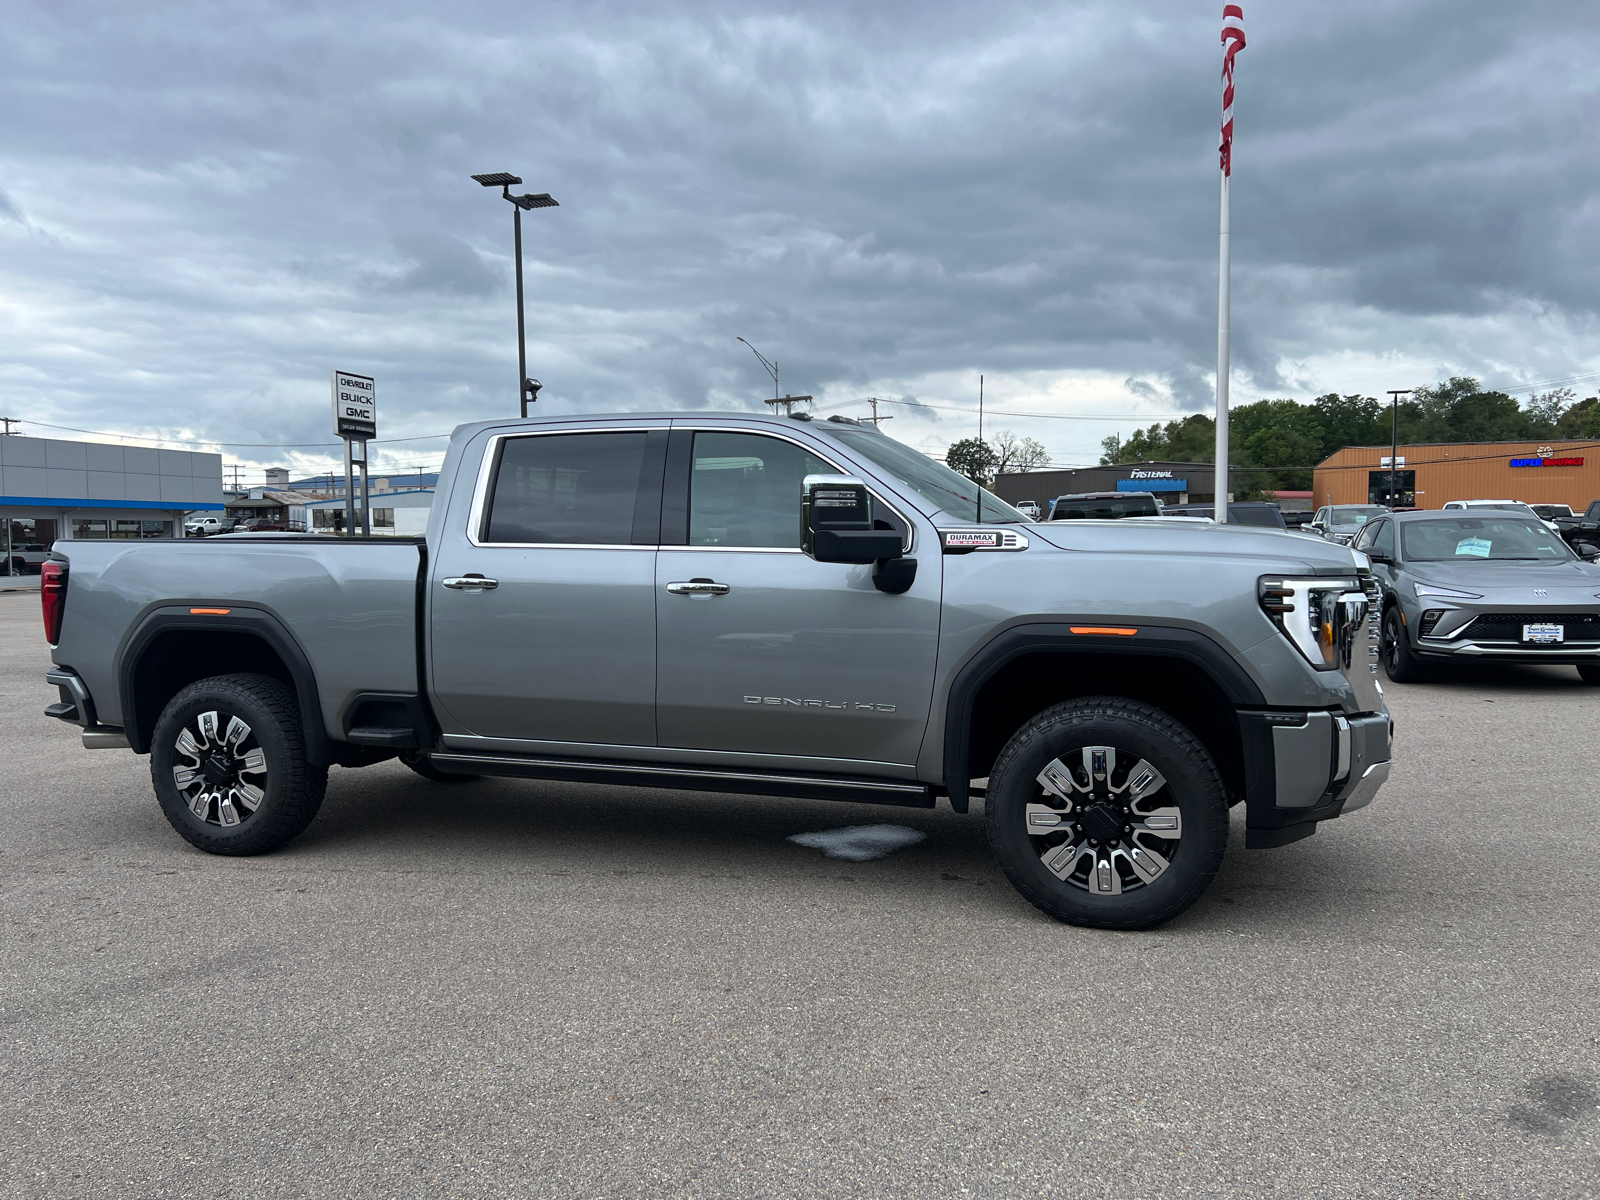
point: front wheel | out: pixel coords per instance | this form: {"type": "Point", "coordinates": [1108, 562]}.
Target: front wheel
{"type": "Point", "coordinates": [1107, 812]}
{"type": "Point", "coordinates": [228, 760]}
{"type": "Point", "coordinates": [1399, 663]}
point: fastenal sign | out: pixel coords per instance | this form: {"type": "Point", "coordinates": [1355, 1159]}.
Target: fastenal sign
{"type": "Point", "coordinates": [355, 406]}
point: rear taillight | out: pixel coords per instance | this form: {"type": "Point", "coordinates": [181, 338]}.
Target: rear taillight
{"type": "Point", "coordinates": [53, 596]}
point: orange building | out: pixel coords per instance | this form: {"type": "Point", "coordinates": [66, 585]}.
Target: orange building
{"type": "Point", "coordinates": [1431, 474]}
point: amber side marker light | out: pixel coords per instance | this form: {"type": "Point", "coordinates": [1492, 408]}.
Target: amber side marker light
{"type": "Point", "coordinates": [209, 612]}
{"type": "Point", "coordinates": [1103, 629]}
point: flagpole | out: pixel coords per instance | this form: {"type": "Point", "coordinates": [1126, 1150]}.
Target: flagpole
{"type": "Point", "coordinates": [1233, 42]}
{"type": "Point", "coordinates": [1224, 303]}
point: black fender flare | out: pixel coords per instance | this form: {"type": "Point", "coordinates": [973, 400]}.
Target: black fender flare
{"type": "Point", "coordinates": [236, 618]}
{"type": "Point", "coordinates": [1151, 641]}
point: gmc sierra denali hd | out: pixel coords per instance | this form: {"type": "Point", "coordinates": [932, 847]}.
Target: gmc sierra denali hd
{"type": "Point", "coordinates": [770, 605]}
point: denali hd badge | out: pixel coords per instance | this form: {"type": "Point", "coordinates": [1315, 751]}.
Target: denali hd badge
{"type": "Point", "coordinates": [836, 705]}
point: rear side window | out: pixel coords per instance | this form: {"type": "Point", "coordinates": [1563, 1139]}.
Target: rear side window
{"type": "Point", "coordinates": [567, 489]}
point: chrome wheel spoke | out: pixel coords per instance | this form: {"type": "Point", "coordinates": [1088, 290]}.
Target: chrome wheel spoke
{"type": "Point", "coordinates": [1146, 863]}
{"type": "Point", "coordinates": [184, 777]}
{"type": "Point", "coordinates": [1042, 819]}
{"type": "Point", "coordinates": [254, 761]}
{"type": "Point", "coordinates": [208, 728]}
{"type": "Point", "coordinates": [1063, 860]}
{"type": "Point", "coordinates": [237, 732]}
{"type": "Point", "coordinates": [1058, 781]}
{"type": "Point", "coordinates": [1143, 780]}
{"type": "Point", "coordinates": [1098, 763]}
{"type": "Point", "coordinates": [212, 783]}
{"type": "Point", "coordinates": [200, 804]}
{"type": "Point", "coordinates": [226, 812]}
{"type": "Point", "coordinates": [1104, 878]}
{"type": "Point", "coordinates": [1164, 822]}
{"type": "Point", "coordinates": [187, 745]}
{"type": "Point", "coordinates": [249, 796]}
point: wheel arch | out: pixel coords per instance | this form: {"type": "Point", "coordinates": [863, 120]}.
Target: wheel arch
{"type": "Point", "coordinates": [172, 647]}
{"type": "Point", "coordinates": [1026, 669]}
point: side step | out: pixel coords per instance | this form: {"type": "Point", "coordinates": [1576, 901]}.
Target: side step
{"type": "Point", "coordinates": [859, 789]}
{"type": "Point", "coordinates": [382, 735]}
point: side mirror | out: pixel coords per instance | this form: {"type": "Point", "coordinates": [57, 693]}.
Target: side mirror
{"type": "Point", "coordinates": [1588, 552]}
{"type": "Point", "coordinates": [836, 526]}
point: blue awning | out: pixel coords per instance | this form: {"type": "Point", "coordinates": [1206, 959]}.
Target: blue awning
{"type": "Point", "coordinates": [62, 502]}
{"type": "Point", "coordinates": [1152, 485]}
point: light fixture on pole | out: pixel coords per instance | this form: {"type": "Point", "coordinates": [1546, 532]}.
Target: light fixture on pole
{"type": "Point", "coordinates": [788, 402]}
{"type": "Point", "coordinates": [527, 389]}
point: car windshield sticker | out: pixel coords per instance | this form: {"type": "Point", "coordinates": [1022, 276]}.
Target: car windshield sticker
{"type": "Point", "coordinates": [1477, 547]}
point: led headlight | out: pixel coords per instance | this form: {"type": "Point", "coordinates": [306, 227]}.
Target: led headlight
{"type": "Point", "coordinates": [1320, 616]}
{"type": "Point", "coordinates": [1444, 593]}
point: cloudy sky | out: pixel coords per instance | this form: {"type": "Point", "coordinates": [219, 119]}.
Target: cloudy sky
{"type": "Point", "coordinates": [205, 207]}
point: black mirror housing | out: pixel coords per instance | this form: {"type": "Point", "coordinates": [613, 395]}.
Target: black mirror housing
{"type": "Point", "coordinates": [836, 522]}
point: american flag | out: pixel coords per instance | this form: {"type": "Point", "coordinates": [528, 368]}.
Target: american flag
{"type": "Point", "coordinates": [1233, 40]}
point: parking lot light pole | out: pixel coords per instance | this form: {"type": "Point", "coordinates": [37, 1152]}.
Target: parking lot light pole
{"type": "Point", "coordinates": [527, 389]}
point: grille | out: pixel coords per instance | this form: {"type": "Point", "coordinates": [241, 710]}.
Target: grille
{"type": "Point", "coordinates": [1507, 627]}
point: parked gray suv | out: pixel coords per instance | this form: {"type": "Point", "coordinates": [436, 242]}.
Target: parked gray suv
{"type": "Point", "coordinates": [753, 604]}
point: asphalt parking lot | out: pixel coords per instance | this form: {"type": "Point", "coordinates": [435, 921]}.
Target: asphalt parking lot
{"type": "Point", "coordinates": [508, 988]}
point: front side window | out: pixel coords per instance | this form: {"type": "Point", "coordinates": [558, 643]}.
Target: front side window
{"type": "Point", "coordinates": [566, 489]}
{"type": "Point", "coordinates": [1383, 539]}
{"type": "Point", "coordinates": [744, 490]}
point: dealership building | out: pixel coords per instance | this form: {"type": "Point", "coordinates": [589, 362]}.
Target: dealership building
{"type": "Point", "coordinates": [54, 490]}
{"type": "Point", "coordinates": [1431, 474]}
{"type": "Point", "coordinates": [1174, 482]}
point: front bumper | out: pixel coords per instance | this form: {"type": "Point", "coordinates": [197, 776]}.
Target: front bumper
{"type": "Point", "coordinates": [1306, 767]}
{"type": "Point", "coordinates": [1491, 632]}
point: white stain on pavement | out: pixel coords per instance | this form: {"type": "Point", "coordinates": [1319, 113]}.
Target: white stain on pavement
{"type": "Point", "coordinates": [860, 843]}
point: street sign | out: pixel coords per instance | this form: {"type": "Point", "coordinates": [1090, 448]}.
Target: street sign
{"type": "Point", "coordinates": [355, 406]}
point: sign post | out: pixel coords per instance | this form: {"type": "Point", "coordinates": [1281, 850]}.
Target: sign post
{"type": "Point", "coordinates": [355, 420]}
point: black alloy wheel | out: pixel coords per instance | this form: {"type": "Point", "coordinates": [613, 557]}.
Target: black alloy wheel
{"type": "Point", "coordinates": [1107, 812]}
{"type": "Point", "coordinates": [1399, 663]}
{"type": "Point", "coordinates": [228, 761]}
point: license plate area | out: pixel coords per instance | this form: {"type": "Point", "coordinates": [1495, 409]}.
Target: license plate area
{"type": "Point", "coordinates": [1544, 635]}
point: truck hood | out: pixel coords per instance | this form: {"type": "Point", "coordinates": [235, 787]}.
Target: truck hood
{"type": "Point", "coordinates": [1277, 550]}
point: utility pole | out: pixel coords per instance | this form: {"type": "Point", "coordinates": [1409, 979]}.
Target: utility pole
{"type": "Point", "coordinates": [788, 403]}
{"type": "Point", "coordinates": [875, 418]}
{"type": "Point", "coordinates": [9, 422]}
{"type": "Point", "coordinates": [980, 408]}
{"type": "Point", "coordinates": [1394, 436]}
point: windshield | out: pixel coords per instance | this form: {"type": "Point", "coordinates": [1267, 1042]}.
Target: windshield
{"type": "Point", "coordinates": [1353, 517]}
{"type": "Point", "coordinates": [1103, 509]}
{"type": "Point", "coordinates": [933, 481]}
{"type": "Point", "coordinates": [1464, 539]}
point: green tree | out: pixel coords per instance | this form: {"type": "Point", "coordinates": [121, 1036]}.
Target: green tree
{"type": "Point", "coordinates": [1276, 441]}
{"type": "Point", "coordinates": [1461, 411]}
{"type": "Point", "coordinates": [1582, 420]}
{"type": "Point", "coordinates": [973, 458]}
{"type": "Point", "coordinates": [1192, 439]}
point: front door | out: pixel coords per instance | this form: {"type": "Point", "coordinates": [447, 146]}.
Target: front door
{"type": "Point", "coordinates": [763, 651]}
{"type": "Point", "coordinates": [543, 610]}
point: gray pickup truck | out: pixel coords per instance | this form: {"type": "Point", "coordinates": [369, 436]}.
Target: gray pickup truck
{"type": "Point", "coordinates": [768, 605]}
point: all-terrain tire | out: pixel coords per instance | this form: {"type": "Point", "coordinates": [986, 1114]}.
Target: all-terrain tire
{"type": "Point", "coordinates": [422, 764]}
{"type": "Point", "coordinates": [1141, 734]}
{"type": "Point", "coordinates": [1399, 663]}
{"type": "Point", "coordinates": [290, 788]}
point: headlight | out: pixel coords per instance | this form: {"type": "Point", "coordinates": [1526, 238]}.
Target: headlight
{"type": "Point", "coordinates": [1320, 616]}
{"type": "Point", "coordinates": [1424, 589]}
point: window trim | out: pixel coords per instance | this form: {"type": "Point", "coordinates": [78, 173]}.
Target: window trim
{"type": "Point", "coordinates": [488, 467]}
{"type": "Point", "coordinates": [906, 543]}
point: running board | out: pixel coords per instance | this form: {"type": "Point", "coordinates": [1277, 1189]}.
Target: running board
{"type": "Point", "coordinates": [905, 793]}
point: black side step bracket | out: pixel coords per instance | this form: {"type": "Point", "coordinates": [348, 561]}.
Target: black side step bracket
{"type": "Point", "coordinates": [859, 789]}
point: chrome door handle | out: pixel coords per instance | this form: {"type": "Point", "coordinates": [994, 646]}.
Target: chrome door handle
{"type": "Point", "coordinates": [699, 587]}
{"type": "Point", "coordinates": [471, 583]}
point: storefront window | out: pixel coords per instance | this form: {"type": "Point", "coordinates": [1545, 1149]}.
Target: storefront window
{"type": "Point", "coordinates": [383, 518]}
{"type": "Point", "coordinates": [24, 544]}
{"type": "Point", "coordinates": [84, 528]}
{"type": "Point", "coordinates": [1404, 494]}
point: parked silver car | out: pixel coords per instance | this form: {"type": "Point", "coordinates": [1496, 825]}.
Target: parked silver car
{"type": "Point", "coordinates": [1341, 522]}
{"type": "Point", "coordinates": [1474, 586]}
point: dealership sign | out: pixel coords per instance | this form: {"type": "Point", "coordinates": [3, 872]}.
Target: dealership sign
{"type": "Point", "coordinates": [1548, 462]}
{"type": "Point", "coordinates": [355, 406]}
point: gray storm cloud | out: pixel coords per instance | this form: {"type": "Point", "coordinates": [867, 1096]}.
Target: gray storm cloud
{"type": "Point", "coordinates": [222, 202]}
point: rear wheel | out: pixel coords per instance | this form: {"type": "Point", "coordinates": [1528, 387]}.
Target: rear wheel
{"type": "Point", "coordinates": [1107, 812]}
{"type": "Point", "coordinates": [1590, 673]}
{"type": "Point", "coordinates": [1399, 663]}
{"type": "Point", "coordinates": [228, 760]}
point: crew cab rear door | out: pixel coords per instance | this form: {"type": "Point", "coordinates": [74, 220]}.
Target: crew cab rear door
{"type": "Point", "coordinates": [541, 602]}
{"type": "Point", "coordinates": [763, 651]}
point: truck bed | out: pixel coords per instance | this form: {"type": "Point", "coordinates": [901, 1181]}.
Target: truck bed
{"type": "Point", "coordinates": [351, 603]}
